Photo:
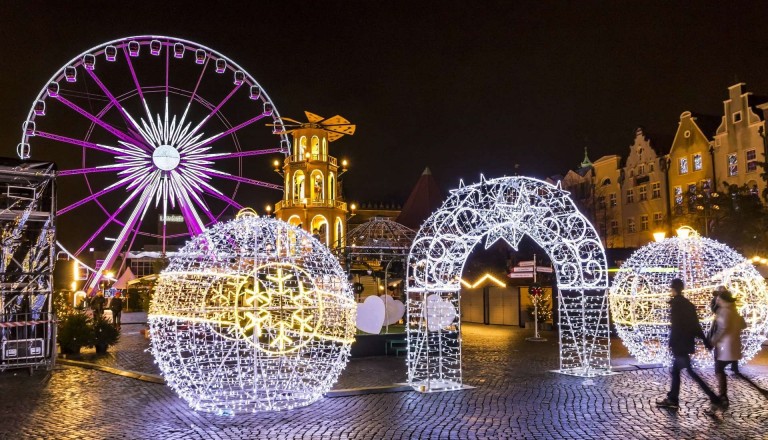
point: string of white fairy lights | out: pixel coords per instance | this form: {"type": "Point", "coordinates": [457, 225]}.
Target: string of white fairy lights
{"type": "Point", "coordinates": [639, 295]}
{"type": "Point", "coordinates": [252, 315]}
{"type": "Point", "coordinates": [505, 208]}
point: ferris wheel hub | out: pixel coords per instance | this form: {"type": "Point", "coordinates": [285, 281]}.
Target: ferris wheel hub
{"type": "Point", "coordinates": [165, 157]}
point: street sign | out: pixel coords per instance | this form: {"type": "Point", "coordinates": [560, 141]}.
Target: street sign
{"type": "Point", "coordinates": [527, 263]}
{"type": "Point", "coordinates": [520, 275]}
{"type": "Point", "coordinates": [544, 269]}
{"type": "Point", "coordinates": [522, 269]}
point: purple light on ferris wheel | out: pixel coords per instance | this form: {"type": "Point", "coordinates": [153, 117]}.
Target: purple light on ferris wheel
{"type": "Point", "coordinates": [164, 155]}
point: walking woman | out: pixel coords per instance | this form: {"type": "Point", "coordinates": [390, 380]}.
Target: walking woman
{"type": "Point", "coordinates": [726, 339]}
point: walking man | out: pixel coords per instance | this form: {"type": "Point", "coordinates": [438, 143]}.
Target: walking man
{"type": "Point", "coordinates": [684, 329]}
{"type": "Point", "coordinates": [116, 305]}
{"type": "Point", "coordinates": [97, 304]}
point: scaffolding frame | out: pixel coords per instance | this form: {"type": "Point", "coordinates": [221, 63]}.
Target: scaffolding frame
{"type": "Point", "coordinates": [27, 254]}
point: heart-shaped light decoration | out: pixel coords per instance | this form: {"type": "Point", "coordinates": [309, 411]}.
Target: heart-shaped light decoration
{"type": "Point", "coordinates": [370, 315]}
{"type": "Point", "coordinates": [394, 309]}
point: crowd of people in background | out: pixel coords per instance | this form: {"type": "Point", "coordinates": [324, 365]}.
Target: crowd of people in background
{"type": "Point", "coordinates": [98, 303]}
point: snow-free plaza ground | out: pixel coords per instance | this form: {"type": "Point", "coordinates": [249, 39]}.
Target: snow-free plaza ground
{"type": "Point", "coordinates": [515, 396]}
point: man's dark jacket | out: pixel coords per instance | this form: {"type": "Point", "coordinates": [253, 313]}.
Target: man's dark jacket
{"type": "Point", "coordinates": [684, 327]}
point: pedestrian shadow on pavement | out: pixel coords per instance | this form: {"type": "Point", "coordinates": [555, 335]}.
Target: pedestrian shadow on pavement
{"type": "Point", "coordinates": [757, 387]}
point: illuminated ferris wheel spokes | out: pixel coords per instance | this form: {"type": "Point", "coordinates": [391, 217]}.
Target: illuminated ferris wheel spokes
{"type": "Point", "coordinates": [164, 147]}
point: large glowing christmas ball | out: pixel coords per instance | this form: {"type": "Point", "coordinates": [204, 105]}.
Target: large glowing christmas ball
{"type": "Point", "coordinates": [640, 294]}
{"type": "Point", "coordinates": [252, 315]}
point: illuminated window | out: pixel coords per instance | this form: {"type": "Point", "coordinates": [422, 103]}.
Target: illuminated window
{"type": "Point", "coordinates": [751, 161]}
{"type": "Point", "coordinates": [683, 168]}
{"type": "Point", "coordinates": [331, 187]}
{"type": "Point", "coordinates": [287, 185]}
{"type": "Point", "coordinates": [316, 148]}
{"type": "Point", "coordinates": [317, 186]}
{"type": "Point", "coordinates": [339, 232]}
{"type": "Point", "coordinates": [301, 148]}
{"type": "Point", "coordinates": [630, 196]}
{"type": "Point", "coordinates": [655, 190]}
{"type": "Point", "coordinates": [644, 223]}
{"type": "Point", "coordinates": [298, 186]}
{"type": "Point", "coordinates": [658, 218]}
{"type": "Point", "coordinates": [642, 193]}
{"type": "Point", "coordinates": [614, 227]}
{"type": "Point", "coordinates": [294, 220]}
{"type": "Point", "coordinates": [612, 198]}
{"type": "Point", "coordinates": [678, 195]}
{"type": "Point", "coordinates": [697, 163]}
{"type": "Point", "coordinates": [733, 164]}
{"type": "Point", "coordinates": [320, 228]}
{"type": "Point", "coordinates": [631, 225]}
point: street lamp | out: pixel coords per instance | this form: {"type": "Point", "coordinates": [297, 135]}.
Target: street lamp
{"type": "Point", "coordinates": [269, 210]}
{"type": "Point", "coordinates": [659, 236]}
{"type": "Point", "coordinates": [344, 166]}
{"type": "Point", "coordinates": [276, 167]}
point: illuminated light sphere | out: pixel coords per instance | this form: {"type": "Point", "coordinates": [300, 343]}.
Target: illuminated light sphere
{"type": "Point", "coordinates": [640, 294]}
{"type": "Point", "coordinates": [252, 315]}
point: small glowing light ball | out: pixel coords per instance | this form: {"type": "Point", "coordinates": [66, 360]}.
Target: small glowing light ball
{"type": "Point", "coordinates": [252, 315]}
{"type": "Point", "coordinates": [639, 296]}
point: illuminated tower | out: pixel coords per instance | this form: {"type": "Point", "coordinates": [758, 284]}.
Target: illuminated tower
{"type": "Point", "coordinates": [312, 198]}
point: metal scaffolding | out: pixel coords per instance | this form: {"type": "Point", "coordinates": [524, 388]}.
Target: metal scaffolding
{"type": "Point", "coordinates": [27, 240]}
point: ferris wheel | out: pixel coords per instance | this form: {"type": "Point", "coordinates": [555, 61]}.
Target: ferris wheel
{"type": "Point", "coordinates": [150, 127]}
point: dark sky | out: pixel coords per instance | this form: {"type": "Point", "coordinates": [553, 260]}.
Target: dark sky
{"type": "Point", "coordinates": [462, 87]}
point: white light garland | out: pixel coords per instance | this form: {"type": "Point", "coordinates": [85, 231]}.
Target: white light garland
{"type": "Point", "coordinates": [505, 208]}
{"type": "Point", "coordinates": [252, 315]}
{"type": "Point", "coordinates": [639, 296]}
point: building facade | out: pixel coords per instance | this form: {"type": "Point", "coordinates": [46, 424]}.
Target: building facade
{"type": "Point", "coordinates": [738, 144]}
{"type": "Point", "coordinates": [595, 187]}
{"type": "Point", "coordinates": [690, 170]}
{"type": "Point", "coordinates": [644, 189]}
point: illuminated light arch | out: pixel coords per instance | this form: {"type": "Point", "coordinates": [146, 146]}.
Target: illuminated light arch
{"type": "Point", "coordinates": [505, 208]}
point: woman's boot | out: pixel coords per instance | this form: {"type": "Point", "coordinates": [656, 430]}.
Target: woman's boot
{"type": "Point", "coordinates": [723, 385]}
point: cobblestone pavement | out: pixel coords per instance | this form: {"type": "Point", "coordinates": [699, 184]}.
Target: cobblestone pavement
{"type": "Point", "coordinates": [131, 354]}
{"type": "Point", "coordinates": [516, 397]}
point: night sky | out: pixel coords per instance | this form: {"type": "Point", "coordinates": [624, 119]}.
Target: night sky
{"type": "Point", "coordinates": [461, 87]}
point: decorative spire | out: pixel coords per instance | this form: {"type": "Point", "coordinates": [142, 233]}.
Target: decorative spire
{"type": "Point", "coordinates": [586, 162]}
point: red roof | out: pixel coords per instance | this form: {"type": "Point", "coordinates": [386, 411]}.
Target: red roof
{"type": "Point", "coordinates": [425, 198]}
